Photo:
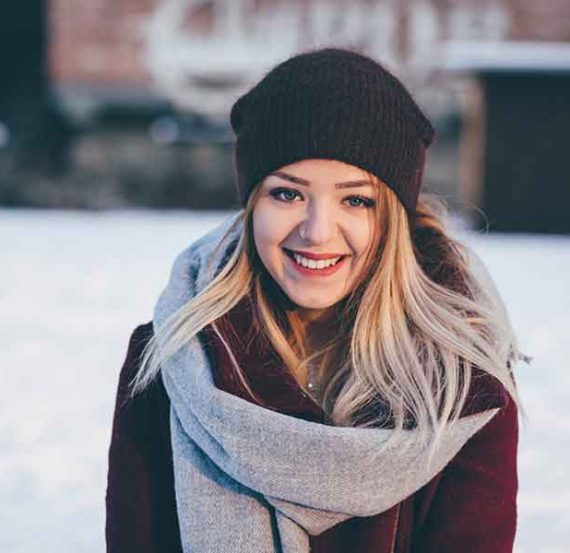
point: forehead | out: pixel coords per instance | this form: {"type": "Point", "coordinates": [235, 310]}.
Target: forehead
{"type": "Point", "coordinates": [325, 171]}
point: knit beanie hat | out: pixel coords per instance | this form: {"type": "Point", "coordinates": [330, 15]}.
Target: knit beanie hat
{"type": "Point", "coordinates": [331, 104]}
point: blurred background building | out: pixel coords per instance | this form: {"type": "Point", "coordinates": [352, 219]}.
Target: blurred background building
{"type": "Point", "coordinates": [107, 103]}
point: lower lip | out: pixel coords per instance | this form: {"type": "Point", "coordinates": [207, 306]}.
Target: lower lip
{"type": "Point", "coordinates": [317, 272]}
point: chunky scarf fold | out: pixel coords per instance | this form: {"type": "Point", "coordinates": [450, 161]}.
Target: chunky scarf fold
{"type": "Point", "coordinates": [249, 478]}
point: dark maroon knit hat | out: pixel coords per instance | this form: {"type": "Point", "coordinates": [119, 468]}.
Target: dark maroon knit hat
{"type": "Point", "coordinates": [331, 104]}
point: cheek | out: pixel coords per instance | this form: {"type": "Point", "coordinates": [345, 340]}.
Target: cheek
{"type": "Point", "coordinates": [269, 232]}
{"type": "Point", "coordinates": [362, 244]}
{"type": "Point", "coordinates": [361, 237]}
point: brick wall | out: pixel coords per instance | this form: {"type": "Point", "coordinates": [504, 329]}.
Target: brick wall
{"type": "Point", "coordinates": [97, 41]}
{"type": "Point", "coordinates": [100, 41]}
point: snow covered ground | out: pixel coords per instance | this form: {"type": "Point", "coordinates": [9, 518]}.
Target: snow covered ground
{"type": "Point", "coordinates": [73, 286]}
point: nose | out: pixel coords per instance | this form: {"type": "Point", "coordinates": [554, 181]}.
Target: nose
{"type": "Point", "coordinates": [318, 226]}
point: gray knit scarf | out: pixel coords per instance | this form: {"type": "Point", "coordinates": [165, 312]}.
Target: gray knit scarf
{"type": "Point", "coordinates": [254, 480]}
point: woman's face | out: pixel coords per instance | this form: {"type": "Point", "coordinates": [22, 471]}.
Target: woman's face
{"type": "Point", "coordinates": [313, 225]}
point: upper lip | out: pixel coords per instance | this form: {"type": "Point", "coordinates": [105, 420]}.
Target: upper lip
{"type": "Point", "coordinates": [316, 256]}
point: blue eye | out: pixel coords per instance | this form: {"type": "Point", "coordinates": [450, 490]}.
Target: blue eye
{"type": "Point", "coordinates": [283, 194]}
{"type": "Point", "coordinates": [363, 201]}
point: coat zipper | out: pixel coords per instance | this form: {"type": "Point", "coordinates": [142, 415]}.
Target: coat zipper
{"type": "Point", "coordinates": [395, 531]}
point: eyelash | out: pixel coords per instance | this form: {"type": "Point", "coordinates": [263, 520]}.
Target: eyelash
{"type": "Point", "coordinates": [367, 203]}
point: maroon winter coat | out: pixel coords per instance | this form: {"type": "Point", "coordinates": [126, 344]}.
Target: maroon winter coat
{"type": "Point", "coordinates": [469, 507]}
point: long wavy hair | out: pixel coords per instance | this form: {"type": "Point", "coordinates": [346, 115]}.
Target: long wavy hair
{"type": "Point", "coordinates": [410, 335]}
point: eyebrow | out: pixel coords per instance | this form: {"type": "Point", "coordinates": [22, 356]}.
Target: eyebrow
{"type": "Point", "coordinates": [305, 182]}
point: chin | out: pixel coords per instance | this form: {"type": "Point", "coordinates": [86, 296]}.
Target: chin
{"type": "Point", "coordinates": [312, 303]}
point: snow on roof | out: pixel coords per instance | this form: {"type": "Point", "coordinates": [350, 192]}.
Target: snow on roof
{"type": "Point", "coordinates": [485, 56]}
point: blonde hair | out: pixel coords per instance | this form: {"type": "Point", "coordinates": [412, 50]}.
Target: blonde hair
{"type": "Point", "coordinates": [410, 335]}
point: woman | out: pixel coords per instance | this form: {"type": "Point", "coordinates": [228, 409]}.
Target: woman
{"type": "Point", "coordinates": [327, 370]}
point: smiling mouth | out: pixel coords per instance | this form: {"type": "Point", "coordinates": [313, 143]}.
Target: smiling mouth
{"type": "Point", "coordinates": [311, 264]}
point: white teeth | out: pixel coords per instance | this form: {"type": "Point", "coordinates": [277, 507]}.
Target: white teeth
{"type": "Point", "coordinates": [313, 264]}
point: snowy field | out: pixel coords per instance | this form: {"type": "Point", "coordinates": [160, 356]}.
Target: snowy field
{"type": "Point", "coordinates": [74, 285]}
